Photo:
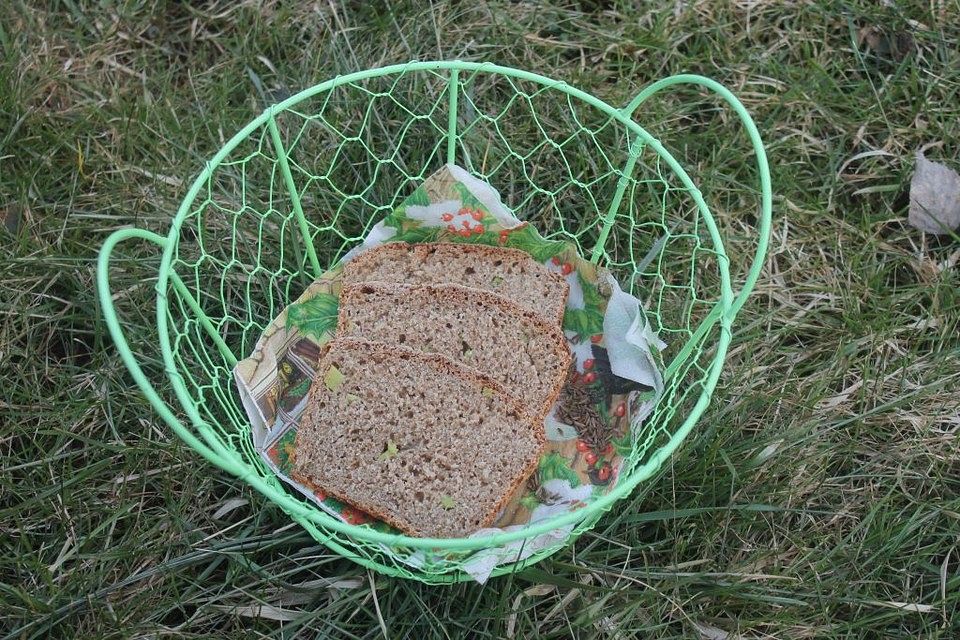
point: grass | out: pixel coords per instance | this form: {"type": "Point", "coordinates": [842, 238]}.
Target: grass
{"type": "Point", "coordinates": [819, 496]}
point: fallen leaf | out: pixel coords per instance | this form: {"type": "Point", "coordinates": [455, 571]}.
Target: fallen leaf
{"type": "Point", "coordinates": [893, 45]}
{"type": "Point", "coordinates": [904, 606]}
{"type": "Point", "coordinates": [767, 453]}
{"type": "Point", "coordinates": [333, 378]}
{"type": "Point", "coordinates": [266, 611]}
{"type": "Point", "coordinates": [708, 632]}
{"type": "Point", "coordinates": [10, 218]}
{"type": "Point", "coordinates": [934, 197]}
{"type": "Point", "coordinates": [228, 506]}
{"type": "Point", "coordinates": [537, 590]}
{"type": "Point", "coordinates": [334, 582]}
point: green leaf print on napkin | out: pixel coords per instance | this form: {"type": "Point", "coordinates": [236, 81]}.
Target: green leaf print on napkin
{"type": "Point", "coordinates": [468, 199]}
{"type": "Point", "coordinates": [314, 317]}
{"type": "Point", "coordinates": [417, 234]}
{"type": "Point", "coordinates": [526, 238]}
{"type": "Point", "coordinates": [588, 321]}
{"type": "Point", "coordinates": [591, 294]}
{"type": "Point", "coordinates": [555, 466]}
{"type": "Point", "coordinates": [583, 322]}
{"type": "Point", "coordinates": [418, 197]}
{"type": "Point", "coordinates": [301, 389]}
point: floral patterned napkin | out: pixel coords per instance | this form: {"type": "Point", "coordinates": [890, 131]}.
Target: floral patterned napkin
{"type": "Point", "coordinates": [611, 389]}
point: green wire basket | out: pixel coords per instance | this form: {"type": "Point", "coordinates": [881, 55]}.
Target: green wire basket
{"type": "Point", "coordinates": [302, 183]}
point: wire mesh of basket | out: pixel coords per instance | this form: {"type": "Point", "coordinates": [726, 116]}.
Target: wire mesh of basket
{"type": "Point", "coordinates": [302, 184]}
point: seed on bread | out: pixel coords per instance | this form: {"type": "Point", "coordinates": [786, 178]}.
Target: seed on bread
{"type": "Point", "coordinates": [333, 378]}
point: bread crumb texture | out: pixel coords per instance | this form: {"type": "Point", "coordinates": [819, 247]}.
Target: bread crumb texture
{"type": "Point", "coordinates": [528, 355]}
{"type": "Point", "coordinates": [510, 273]}
{"type": "Point", "coordinates": [416, 440]}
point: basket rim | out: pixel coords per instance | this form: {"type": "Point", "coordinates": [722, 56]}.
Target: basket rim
{"type": "Point", "coordinates": [231, 459]}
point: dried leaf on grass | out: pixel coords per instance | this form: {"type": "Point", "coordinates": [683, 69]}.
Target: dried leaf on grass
{"type": "Point", "coordinates": [536, 591]}
{"type": "Point", "coordinates": [266, 611]}
{"type": "Point", "coordinates": [228, 506]}
{"type": "Point", "coordinates": [708, 632]}
{"type": "Point", "coordinates": [10, 219]}
{"type": "Point", "coordinates": [893, 45]}
{"type": "Point", "coordinates": [934, 197]}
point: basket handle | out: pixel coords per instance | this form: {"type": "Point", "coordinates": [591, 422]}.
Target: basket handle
{"type": "Point", "coordinates": [113, 324]}
{"type": "Point", "coordinates": [763, 168]}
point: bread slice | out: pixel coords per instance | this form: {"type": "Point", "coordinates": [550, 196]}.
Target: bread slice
{"type": "Point", "coordinates": [510, 273]}
{"type": "Point", "coordinates": [479, 329]}
{"type": "Point", "coordinates": [416, 440]}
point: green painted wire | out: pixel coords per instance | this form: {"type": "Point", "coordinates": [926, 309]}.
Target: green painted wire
{"type": "Point", "coordinates": [189, 325]}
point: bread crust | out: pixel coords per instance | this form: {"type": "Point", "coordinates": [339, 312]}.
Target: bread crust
{"type": "Point", "coordinates": [443, 365]}
{"type": "Point", "coordinates": [353, 270]}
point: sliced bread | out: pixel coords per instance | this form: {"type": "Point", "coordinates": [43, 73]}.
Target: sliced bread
{"type": "Point", "coordinates": [479, 329]}
{"type": "Point", "coordinates": [416, 440]}
{"type": "Point", "coordinates": [510, 273]}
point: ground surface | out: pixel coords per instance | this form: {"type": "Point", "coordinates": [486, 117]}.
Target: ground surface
{"type": "Point", "coordinates": [820, 495]}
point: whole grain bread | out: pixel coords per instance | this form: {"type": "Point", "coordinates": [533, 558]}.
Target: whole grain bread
{"type": "Point", "coordinates": [414, 439]}
{"type": "Point", "coordinates": [479, 329]}
{"type": "Point", "coordinates": [511, 273]}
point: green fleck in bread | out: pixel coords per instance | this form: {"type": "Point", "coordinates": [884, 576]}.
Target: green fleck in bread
{"type": "Point", "coordinates": [425, 444]}
{"type": "Point", "coordinates": [510, 273]}
{"type": "Point", "coordinates": [479, 329]}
